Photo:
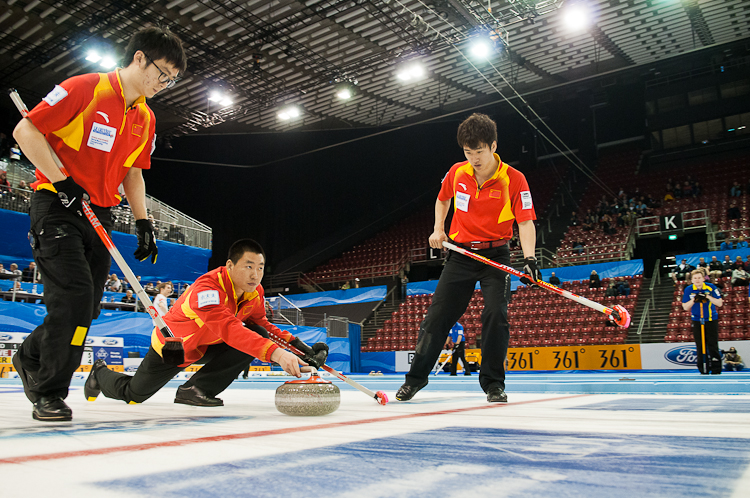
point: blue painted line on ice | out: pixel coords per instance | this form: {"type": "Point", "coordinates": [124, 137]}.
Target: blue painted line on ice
{"type": "Point", "coordinates": [464, 461]}
{"type": "Point", "coordinates": [89, 428]}
{"type": "Point", "coordinates": [671, 405]}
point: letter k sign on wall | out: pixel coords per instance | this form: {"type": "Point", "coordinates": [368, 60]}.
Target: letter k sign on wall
{"type": "Point", "coordinates": [671, 222]}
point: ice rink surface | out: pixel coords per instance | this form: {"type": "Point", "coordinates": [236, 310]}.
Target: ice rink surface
{"type": "Point", "coordinates": [617, 434]}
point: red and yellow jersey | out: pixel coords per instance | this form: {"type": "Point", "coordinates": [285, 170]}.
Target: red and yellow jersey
{"type": "Point", "coordinates": [486, 212]}
{"type": "Point", "coordinates": [208, 313]}
{"type": "Point", "coordinates": [96, 137]}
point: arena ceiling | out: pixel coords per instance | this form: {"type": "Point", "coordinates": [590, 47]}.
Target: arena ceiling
{"type": "Point", "coordinates": [269, 54]}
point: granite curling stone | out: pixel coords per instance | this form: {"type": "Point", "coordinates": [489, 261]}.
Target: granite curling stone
{"type": "Point", "coordinates": [308, 397]}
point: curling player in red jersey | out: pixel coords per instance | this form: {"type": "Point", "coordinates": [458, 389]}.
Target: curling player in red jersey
{"type": "Point", "coordinates": [221, 319]}
{"type": "Point", "coordinates": [101, 128]}
{"type": "Point", "coordinates": [488, 197]}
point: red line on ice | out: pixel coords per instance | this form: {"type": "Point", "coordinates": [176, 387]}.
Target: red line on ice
{"type": "Point", "coordinates": [248, 435]}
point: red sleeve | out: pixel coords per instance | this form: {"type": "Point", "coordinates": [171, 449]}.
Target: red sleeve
{"type": "Point", "coordinates": [143, 161]}
{"type": "Point", "coordinates": [223, 323]}
{"type": "Point", "coordinates": [520, 196]}
{"type": "Point", "coordinates": [66, 101]}
{"type": "Point", "coordinates": [446, 189]}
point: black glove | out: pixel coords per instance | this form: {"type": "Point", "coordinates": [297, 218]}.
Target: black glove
{"type": "Point", "coordinates": [311, 355]}
{"type": "Point", "coordinates": [146, 241]}
{"type": "Point", "coordinates": [700, 297]}
{"type": "Point", "coordinates": [71, 194]}
{"type": "Point", "coordinates": [532, 270]}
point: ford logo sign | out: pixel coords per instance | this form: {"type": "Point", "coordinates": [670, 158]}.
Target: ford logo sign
{"type": "Point", "coordinates": [131, 368]}
{"type": "Point", "coordinates": [110, 342]}
{"type": "Point", "coordinates": [5, 337]}
{"type": "Point", "coordinates": [89, 341]}
{"type": "Point", "coordinates": [682, 355]}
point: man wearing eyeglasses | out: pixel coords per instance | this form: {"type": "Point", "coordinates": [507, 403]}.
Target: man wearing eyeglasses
{"type": "Point", "coordinates": [104, 133]}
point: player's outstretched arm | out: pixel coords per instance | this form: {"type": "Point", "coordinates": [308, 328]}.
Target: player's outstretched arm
{"type": "Point", "coordinates": [288, 361]}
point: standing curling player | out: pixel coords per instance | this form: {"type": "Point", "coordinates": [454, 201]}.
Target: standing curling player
{"type": "Point", "coordinates": [703, 300]}
{"type": "Point", "coordinates": [103, 132]}
{"type": "Point", "coordinates": [222, 320]}
{"type": "Point", "coordinates": [488, 197]}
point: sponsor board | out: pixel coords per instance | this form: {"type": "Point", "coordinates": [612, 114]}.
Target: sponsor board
{"type": "Point", "coordinates": [680, 355]}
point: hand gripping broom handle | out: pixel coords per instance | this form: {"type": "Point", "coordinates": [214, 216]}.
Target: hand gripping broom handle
{"type": "Point", "coordinates": [379, 396]}
{"type": "Point", "coordinates": [619, 314]}
{"type": "Point", "coordinates": [104, 236]}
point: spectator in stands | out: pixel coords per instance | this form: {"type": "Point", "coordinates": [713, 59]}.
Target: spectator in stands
{"type": "Point", "coordinates": [356, 283]}
{"type": "Point", "coordinates": [594, 281]}
{"type": "Point", "coordinates": [184, 288]}
{"type": "Point", "coordinates": [28, 273]}
{"type": "Point", "coordinates": [4, 185]}
{"type": "Point", "coordinates": [747, 263]}
{"type": "Point", "coordinates": [733, 361]}
{"type": "Point", "coordinates": [681, 271]}
{"type": "Point", "coordinates": [702, 263]}
{"type": "Point", "coordinates": [623, 287]}
{"type": "Point", "coordinates": [739, 275]}
{"type": "Point", "coordinates": [669, 192]}
{"type": "Point", "coordinates": [574, 221]}
{"type": "Point", "coordinates": [611, 290]}
{"type": "Point", "coordinates": [715, 268]}
{"type": "Point", "coordinates": [160, 301]}
{"type": "Point", "coordinates": [697, 191]}
{"type": "Point", "coordinates": [128, 298]}
{"type": "Point", "coordinates": [726, 245]}
{"type": "Point", "coordinates": [15, 271]}
{"type": "Point", "coordinates": [346, 285]}
{"type": "Point", "coordinates": [17, 287]}
{"type": "Point", "coordinates": [736, 190]}
{"type": "Point", "coordinates": [629, 218]}
{"type": "Point", "coordinates": [150, 289]}
{"type": "Point", "coordinates": [579, 246]}
{"type": "Point", "coordinates": [24, 192]}
{"type": "Point", "coordinates": [114, 284]}
{"type": "Point", "coordinates": [404, 282]}
{"type": "Point", "coordinates": [733, 213]}
{"type": "Point", "coordinates": [3, 271]}
{"type": "Point", "coordinates": [703, 301]}
{"type": "Point", "coordinates": [677, 191]}
{"type": "Point", "coordinates": [737, 263]}
{"type": "Point", "coordinates": [728, 266]}
{"type": "Point", "coordinates": [741, 243]}
{"type": "Point", "coordinates": [554, 280]}
{"type": "Point", "coordinates": [687, 189]}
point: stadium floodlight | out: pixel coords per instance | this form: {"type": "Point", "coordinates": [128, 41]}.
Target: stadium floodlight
{"type": "Point", "coordinates": [93, 56]}
{"type": "Point", "coordinates": [344, 93]}
{"type": "Point", "coordinates": [225, 102]}
{"type": "Point", "coordinates": [481, 49]}
{"type": "Point", "coordinates": [289, 112]}
{"type": "Point", "coordinates": [108, 62]}
{"type": "Point", "coordinates": [215, 96]}
{"type": "Point", "coordinates": [412, 72]}
{"type": "Point", "coordinates": [576, 17]}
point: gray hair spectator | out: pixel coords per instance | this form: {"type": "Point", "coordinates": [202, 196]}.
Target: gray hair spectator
{"type": "Point", "coordinates": [15, 271]}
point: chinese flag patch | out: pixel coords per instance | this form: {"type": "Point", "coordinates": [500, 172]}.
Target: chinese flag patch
{"type": "Point", "coordinates": [137, 130]}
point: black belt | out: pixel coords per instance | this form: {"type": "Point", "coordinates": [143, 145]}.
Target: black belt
{"type": "Point", "coordinates": [476, 246]}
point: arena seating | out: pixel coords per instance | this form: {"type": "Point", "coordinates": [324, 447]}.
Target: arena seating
{"type": "Point", "coordinates": [734, 315]}
{"type": "Point", "coordinates": [537, 318]}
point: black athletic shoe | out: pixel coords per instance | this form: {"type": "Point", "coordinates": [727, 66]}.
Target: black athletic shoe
{"type": "Point", "coordinates": [407, 392]}
{"type": "Point", "coordinates": [51, 409]}
{"type": "Point", "coordinates": [91, 389]}
{"type": "Point", "coordinates": [497, 395]}
{"type": "Point", "coordinates": [468, 374]}
{"type": "Point", "coordinates": [26, 378]}
{"type": "Point", "coordinates": [195, 397]}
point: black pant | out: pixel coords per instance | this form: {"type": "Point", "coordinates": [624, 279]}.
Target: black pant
{"type": "Point", "coordinates": [711, 329]}
{"type": "Point", "coordinates": [222, 365]}
{"type": "Point", "coordinates": [75, 265]}
{"type": "Point", "coordinates": [459, 354]}
{"type": "Point", "coordinates": [452, 295]}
